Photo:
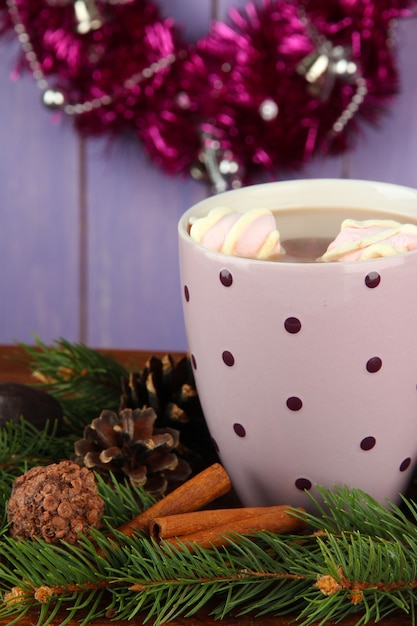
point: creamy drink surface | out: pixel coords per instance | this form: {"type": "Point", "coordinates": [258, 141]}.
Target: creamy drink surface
{"type": "Point", "coordinates": [305, 235]}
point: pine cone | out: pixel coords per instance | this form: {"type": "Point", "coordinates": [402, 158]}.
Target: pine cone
{"type": "Point", "coordinates": [55, 502]}
{"type": "Point", "coordinates": [169, 388]}
{"type": "Point", "coordinates": [166, 386]}
{"type": "Point", "coordinates": [128, 445]}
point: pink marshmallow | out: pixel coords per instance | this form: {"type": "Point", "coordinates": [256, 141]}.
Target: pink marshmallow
{"type": "Point", "coordinates": [371, 239]}
{"type": "Point", "coordinates": [215, 236]}
{"type": "Point", "coordinates": [254, 236]}
{"type": "Point", "coordinates": [251, 234]}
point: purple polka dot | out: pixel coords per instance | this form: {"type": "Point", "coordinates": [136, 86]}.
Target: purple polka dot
{"type": "Point", "coordinates": [368, 443]}
{"type": "Point", "coordinates": [228, 358]}
{"type": "Point", "coordinates": [372, 280]}
{"type": "Point", "coordinates": [186, 293]}
{"type": "Point", "coordinates": [374, 364]}
{"type": "Point", "coordinates": [405, 464]}
{"type": "Point", "coordinates": [193, 362]}
{"type": "Point", "coordinates": [292, 325]}
{"type": "Point", "coordinates": [239, 430]}
{"type": "Point", "coordinates": [294, 403]}
{"type": "Point", "coordinates": [303, 483]}
{"type": "Point", "coordinates": [226, 278]}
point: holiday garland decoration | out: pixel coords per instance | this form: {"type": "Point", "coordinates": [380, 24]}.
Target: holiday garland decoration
{"type": "Point", "coordinates": [275, 85]}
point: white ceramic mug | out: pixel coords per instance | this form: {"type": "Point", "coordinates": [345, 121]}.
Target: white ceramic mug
{"type": "Point", "coordinates": [306, 372]}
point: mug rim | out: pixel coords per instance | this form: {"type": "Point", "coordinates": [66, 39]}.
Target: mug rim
{"type": "Point", "coordinates": [253, 195]}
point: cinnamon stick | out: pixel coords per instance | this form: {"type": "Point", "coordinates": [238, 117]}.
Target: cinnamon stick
{"type": "Point", "coordinates": [197, 521]}
{"type": "Point", "coordinates": [192, 495]}
{"type": "Point", "coordinates": [276, 519]}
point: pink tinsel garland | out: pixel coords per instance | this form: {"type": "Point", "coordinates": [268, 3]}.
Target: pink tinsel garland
{"type": "Point", "coordinates": [275, 85]}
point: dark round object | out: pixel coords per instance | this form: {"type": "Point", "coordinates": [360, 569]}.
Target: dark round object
{"type": "Point", "coordinates": [35, 405]}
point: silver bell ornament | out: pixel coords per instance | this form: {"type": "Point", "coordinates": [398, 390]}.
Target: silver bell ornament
{"type": "Point", "coordinates": [87, 15]}
{"type": "Point", "coordinates": [53, 99]}
{"type": "Point", "coordinates": [217, 165]}
{"type": "Point", "coordinates": [322, 67]}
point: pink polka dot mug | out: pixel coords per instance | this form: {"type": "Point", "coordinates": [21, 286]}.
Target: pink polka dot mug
{"type": "Point", "coordinates": [306, 371]}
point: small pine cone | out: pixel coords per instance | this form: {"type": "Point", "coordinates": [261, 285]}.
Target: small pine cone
{"type": "Point", "coordinates": [127, 445]}
{"type": "Point", "coordinates": [55, 502]}
{"type": "Point", "coordinates": [164, 385]}
{"type": "Point", "coordinates": [169, 388]}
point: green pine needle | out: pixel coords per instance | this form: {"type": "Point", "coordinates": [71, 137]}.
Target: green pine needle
{"type": "Point", "coordinates": [329, 574]}
{"type": "Point", "coordinates": [82, 379]}
{"type": "Point", "coordinates": [123, 501]}
{"type": "Point", "coordinates": [359, 558]}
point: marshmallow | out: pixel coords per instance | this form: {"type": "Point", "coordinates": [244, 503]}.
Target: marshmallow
{"type": "Point", "coordinates": [252, 234]}
{"type": "Point", "coordinates": [369, 239]}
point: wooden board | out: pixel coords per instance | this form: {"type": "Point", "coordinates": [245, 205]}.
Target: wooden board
{"type": "Point", "coordinates": [204, 619]}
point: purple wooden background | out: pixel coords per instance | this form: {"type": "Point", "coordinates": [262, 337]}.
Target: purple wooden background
{"type": "Point", "coordinates": [88, 247]}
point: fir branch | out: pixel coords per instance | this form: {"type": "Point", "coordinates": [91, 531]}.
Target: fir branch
{"type": "Point", "coordinates": [360, 558]}
{"type": "Point", "coordinates": [123, 501]}
{"type": "Point", "coordinates": [326, 575]}
{"type": "Point", "coordinates": [21, 444]}
{"type": "Point", "coordinates": [82, 379]}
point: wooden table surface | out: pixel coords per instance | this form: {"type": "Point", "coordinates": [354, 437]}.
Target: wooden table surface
{"type": "Point", "coordinates": [12, 369]}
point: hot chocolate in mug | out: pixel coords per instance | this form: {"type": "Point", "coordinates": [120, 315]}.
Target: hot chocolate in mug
{"type": "Point", "coordinates": [306, 371]}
